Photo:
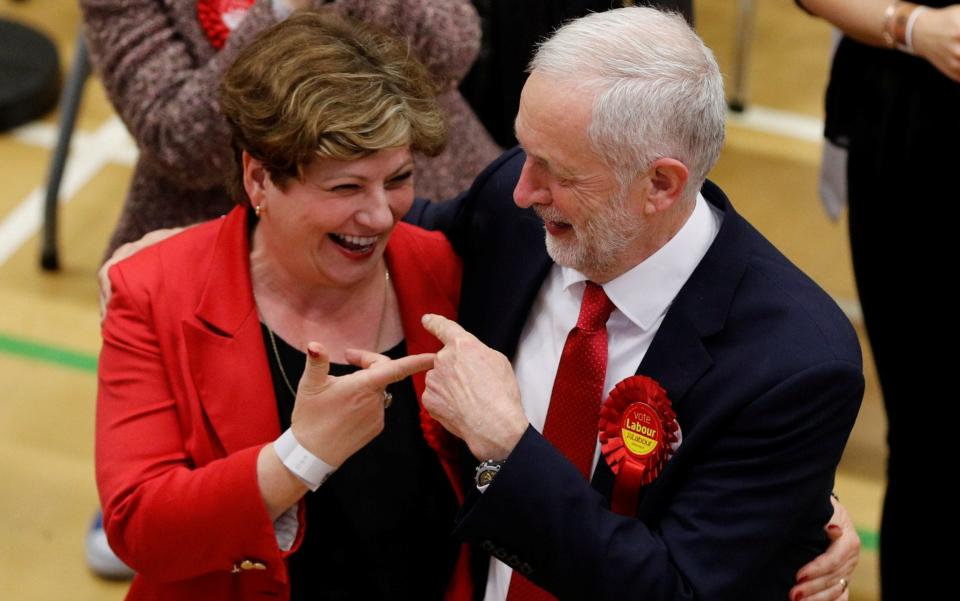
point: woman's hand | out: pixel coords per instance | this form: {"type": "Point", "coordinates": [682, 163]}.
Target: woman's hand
{"type": "Point", "coordinates": [827, 577]}
{"type": "Point", "coordinates": [336, 416]}
{"type": "Point", "coordinates": [333, 417]}
{"type": "Point", "coordinates": [936, 37]}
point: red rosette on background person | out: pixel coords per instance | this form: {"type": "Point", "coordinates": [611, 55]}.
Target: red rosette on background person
{"type": "Point", "coordinates": [637, 430]}
{"type": "Point", "coordinates": [219, 17]}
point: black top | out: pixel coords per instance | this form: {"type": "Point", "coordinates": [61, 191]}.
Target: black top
{"type": "Point", "coordinates": [379, 527]}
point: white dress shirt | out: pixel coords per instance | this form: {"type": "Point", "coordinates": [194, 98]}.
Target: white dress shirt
{"type": "Point", "coordinates": [641, 296]}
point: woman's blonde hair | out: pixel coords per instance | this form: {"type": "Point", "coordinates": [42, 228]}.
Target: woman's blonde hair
{"type": "Point", "coordinates": [321, 85]}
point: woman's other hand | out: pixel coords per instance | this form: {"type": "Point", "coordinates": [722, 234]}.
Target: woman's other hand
{"type": "Point", "coordinates": [827, 577]}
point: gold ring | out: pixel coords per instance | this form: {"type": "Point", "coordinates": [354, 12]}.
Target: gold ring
{"type": "Point", "coordinates": [387, 399]}
{"type": "Point", "coordinates": [843, 584]}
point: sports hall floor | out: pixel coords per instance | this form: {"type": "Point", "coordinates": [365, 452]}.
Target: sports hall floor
{"type": "Point", "coordinates": [49, 334]}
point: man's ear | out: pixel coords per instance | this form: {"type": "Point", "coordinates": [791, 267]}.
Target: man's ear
{"type": "Point", "coordinates": [255, 178]}
{"type": "Point", "coordinates": [668, 178]}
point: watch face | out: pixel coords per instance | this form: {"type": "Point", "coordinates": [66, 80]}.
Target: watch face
{"type": "Point", "coordinates": [486, 477]}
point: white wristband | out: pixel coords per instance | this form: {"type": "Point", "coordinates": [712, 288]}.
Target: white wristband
{"type": "Point", "coordinates": [310, 469]}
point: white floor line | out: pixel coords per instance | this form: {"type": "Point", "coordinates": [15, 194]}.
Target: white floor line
{"type": "Point", "coordinates": [88, 155]}
{"type": "Point", "coordinates": [111, 139]}
{"type": "Point", "coordinates": [782, 123]}
{"type": "Point", "coordinates": [45, 135]}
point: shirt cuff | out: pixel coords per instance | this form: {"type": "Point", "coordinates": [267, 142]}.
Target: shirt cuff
{"type": "Point", "coordinates": [285, 527]}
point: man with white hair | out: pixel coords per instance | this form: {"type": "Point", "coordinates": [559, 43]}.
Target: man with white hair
{"type": "Point", "coordinates": [693, 388]}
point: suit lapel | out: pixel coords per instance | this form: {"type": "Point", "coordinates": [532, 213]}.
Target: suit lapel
{"type": "Point", "coordinates": [679, 356]}
{"type": "Point", "coordinates": [225, 349]}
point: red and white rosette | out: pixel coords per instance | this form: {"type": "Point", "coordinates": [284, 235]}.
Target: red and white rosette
{"type": "Point", "coordinates": [637, 428]}
{"type": "Point", "coordinates": [219, 17]}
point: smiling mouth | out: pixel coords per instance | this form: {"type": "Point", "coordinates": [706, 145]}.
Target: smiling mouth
{"type": "Point", "coordinates": [355, 244]}
{"type": "Point", "coordinates": [557, 227]}
{"type": "Point", "coordinates": [550, 223]}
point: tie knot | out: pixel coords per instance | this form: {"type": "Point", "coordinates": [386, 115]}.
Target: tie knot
{"type": "Point", "coordinates": [595, 309]}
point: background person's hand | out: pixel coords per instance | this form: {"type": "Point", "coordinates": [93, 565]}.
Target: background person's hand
{"type": "Point", "coordinates": [285, 7]}
{"type": "Point", "coordinates": [334, 417]}
{"type": "Point", "coordinates": [936, 37]}
{"type": "Point", "coordinates": [122, 252]}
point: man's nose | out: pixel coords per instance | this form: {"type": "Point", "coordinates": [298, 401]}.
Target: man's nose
{"type": "Point", "coordinates": [531, 187]}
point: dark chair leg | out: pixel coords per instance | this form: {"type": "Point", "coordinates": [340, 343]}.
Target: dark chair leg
{"type": "Point", "coordinates": [741, 54]}
{"type": "Point", "coordinates": [69, 104]}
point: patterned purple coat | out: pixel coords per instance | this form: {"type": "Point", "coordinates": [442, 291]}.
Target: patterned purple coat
{"type": "Point", "coordinates": [161, 74]}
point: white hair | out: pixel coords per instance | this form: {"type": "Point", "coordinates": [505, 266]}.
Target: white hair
{"type": "Point", "coordinates": [659, 91]}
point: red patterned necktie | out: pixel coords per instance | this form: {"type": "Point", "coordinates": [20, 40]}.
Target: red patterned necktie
{"type": "Point", "coordinates": [571, 424]}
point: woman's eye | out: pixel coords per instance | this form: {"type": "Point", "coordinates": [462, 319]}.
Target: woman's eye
{"type": "Point", "coordinates": [345, 188]}
{"type": "Point", "coordinates": [401, 179]}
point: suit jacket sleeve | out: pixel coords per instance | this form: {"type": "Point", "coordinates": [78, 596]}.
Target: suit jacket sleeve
{"type": "Point", "coordinates": [455, 217]}
{"type": "Point", "coordinates": [167, 518]}
{"type": "Point", "coordinates": [739, 505]}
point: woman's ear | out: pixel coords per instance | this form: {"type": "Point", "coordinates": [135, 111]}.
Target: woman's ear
{"type": "Point", "coordinates": [255, 178]}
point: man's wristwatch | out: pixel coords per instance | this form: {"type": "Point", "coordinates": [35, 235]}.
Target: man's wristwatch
{"type": "Point", "coordinates": [486, 471]}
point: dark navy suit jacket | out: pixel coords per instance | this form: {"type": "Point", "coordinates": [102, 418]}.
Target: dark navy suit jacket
{"type": "Point", "coordinates": [765, 376]}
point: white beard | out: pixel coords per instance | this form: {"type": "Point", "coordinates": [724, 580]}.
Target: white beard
{"type": "Point", "coordinates": [596, 246]}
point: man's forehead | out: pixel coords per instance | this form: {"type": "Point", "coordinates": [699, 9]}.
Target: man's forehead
{"type": "Point", "coordinates": [553, 130]}
{"type": "Point", "coordinates": [540, 152]}
{"type": "Point", "coordinates": [557, 100]}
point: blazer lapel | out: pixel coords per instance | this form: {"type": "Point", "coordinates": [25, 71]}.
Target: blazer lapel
{"type": "Point", "coordinates": [678, 356]}
{"type": "Point", "coordinates": [676, 359]}
{"type": "Point", "coordinates": [225, 349]}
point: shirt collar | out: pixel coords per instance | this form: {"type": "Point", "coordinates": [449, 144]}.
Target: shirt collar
{"type": "Point", "coordinates": [644, 293]}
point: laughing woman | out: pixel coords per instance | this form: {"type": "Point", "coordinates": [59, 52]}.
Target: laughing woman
{"type": "Point", "coordinates": [207, 446]}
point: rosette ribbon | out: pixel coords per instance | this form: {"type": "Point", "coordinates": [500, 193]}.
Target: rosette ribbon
{"type": "Point", "coordinates": [637, 428]}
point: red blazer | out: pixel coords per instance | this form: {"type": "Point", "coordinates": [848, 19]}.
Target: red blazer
{"type": "Point", "coordinates": [186, 402]}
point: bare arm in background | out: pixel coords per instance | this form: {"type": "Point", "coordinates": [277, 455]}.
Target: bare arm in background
{"type": "Point", "coordinates": [936, 32]}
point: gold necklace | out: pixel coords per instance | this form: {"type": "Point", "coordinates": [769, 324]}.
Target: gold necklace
{"type": "Point", "coordinates": [283, 372]}
{"type": "Point", "coordinates": [376, 343]}
{"type": "Point", "coordinates": [383, 308]}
